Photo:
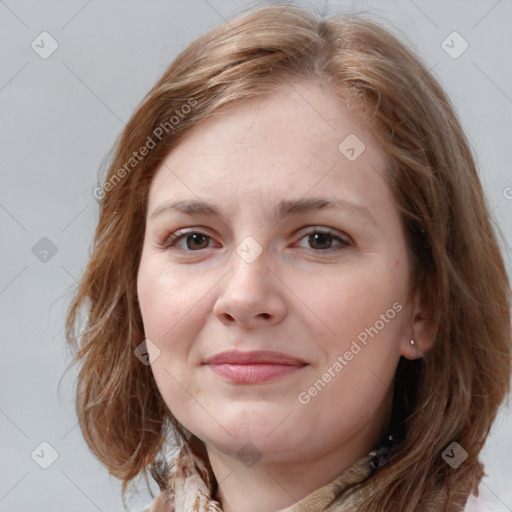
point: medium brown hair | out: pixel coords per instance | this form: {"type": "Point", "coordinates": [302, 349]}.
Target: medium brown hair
{"type": "Point", "coordinates": [454, 392]}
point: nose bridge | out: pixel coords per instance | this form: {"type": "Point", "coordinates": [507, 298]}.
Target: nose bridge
{"type": "Point", "coordinates": [249, 267]}
{"type": "Point", "coordinates": [249, 294]}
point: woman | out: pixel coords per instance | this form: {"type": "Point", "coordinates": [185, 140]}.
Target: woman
{"type": "Point", "coordinates": [296, 275]}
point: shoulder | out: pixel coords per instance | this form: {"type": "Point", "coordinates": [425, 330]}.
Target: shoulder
{"type": "Point", "coordinates": [151, 508]}
{"type": "Point", "coordinates": [161, 503]}
{"type": "Point", "coordinates": [485, 502]}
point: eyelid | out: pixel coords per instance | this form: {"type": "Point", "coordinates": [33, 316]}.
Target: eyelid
{"type": "Point", "coordinates": [330, 231]}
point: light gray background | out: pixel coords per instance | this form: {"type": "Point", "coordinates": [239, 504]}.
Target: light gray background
{"type": "Point", "coordinates": [60, 116]}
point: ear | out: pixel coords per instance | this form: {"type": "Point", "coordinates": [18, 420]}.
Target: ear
{"type": "Point", "coordinates": [422, 329]}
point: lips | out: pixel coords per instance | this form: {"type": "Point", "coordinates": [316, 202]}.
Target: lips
{"type": "Point", "coordinates": [254, 357]}
{"type": "Point", "coordinates": [253, 367]}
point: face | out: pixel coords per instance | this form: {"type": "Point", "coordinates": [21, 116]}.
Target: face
{"type": "Point", "coordinates": [273, 281]}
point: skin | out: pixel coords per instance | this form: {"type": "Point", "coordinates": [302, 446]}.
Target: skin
{"type": "Point", "coordinates": [304, 298]}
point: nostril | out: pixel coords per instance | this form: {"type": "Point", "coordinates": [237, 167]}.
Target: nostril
{"type": "Point", "coordinates": [265, 315]}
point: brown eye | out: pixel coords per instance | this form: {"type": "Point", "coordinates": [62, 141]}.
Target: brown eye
{"type": "Point", "coordinates": [321, 240]}
{"type": "Point", "coordinates": [193, 241]}
{"type": "Point", "coordinates": [196, 241]}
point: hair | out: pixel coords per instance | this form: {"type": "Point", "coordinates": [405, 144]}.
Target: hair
{"type": "Point", "coordinates": [451, 394]}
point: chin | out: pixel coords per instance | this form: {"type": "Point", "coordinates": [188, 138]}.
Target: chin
{"type": "Point", "coordinates": [254, 448]}
{"type": "Point", "coordinates": [261, 431]}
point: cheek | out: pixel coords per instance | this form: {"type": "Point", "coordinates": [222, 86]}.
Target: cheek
{"type": "Point", "coordinates": [349, 302]}
{"type": "Point", "coordinates": [165, 297]}
{"type": "Point", "coordinates": [173, 313]}
{"type": "Point", "coordinates": [364, 311]}
{"type": "Point", "coordinates": [162, 304]}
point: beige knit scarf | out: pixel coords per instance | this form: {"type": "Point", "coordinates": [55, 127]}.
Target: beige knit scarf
{"type": "Point", "coordinates": [188, 486]}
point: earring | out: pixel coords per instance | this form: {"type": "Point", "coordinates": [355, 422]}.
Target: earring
{"type": "Point", "coordinates": [414, 347]}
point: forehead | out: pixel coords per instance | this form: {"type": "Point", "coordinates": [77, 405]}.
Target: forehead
{"type": "Point", "coordinates": [302, 139]}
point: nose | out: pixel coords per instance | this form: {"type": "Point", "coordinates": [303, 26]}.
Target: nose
{"type": "Point", "coordinates": [251, 295]}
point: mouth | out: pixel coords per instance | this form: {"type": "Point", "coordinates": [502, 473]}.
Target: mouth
{"type": "Point", "coordinates": [253, 367]}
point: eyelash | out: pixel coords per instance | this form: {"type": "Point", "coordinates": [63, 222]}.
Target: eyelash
{"type": "Point", "coordinates": [170, 243]}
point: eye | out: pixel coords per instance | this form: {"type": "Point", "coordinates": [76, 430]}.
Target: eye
{"type": "Point", "coordinates": [187, 240]}
{"type": "Point", "coordinates": [322, 240]}
{"type": "Point", "coordinates": [190, 240]}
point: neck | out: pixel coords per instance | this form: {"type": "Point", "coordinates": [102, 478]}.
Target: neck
{"type": "Point", "coordinates": [270, 485]}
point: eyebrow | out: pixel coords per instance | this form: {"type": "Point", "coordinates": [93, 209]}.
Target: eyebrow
{"type": "Point", "coordinates": [284, 207]}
